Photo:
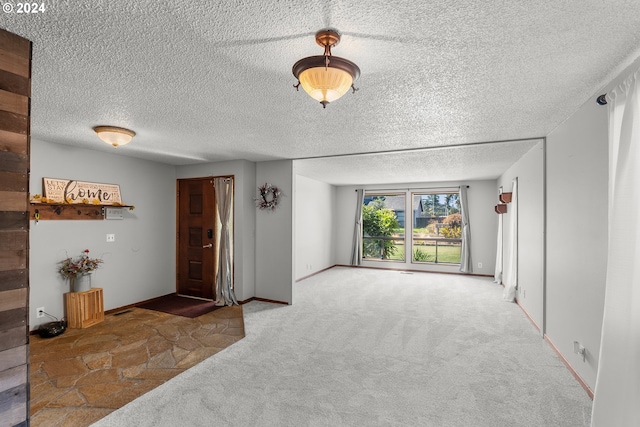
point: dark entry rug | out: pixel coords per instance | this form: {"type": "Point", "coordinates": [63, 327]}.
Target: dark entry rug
{"type": "Point", "coordinates": [180, 306]}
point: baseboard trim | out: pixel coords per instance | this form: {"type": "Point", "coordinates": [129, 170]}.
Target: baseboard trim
{"type": "Point", "coordinates": [568, 365]}
{"type": "Point", "coordinates": [575, 374]}
{"type": "Point", "coordinates": [526, 313]}
{"type": "Point", "coordinates": [317, 272]}
{"type": "Point", "coordinates": [412, 270]}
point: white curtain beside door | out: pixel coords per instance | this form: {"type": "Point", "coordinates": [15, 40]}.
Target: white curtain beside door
{"type": "Point", "coordinates": [617, 392]}
{"type": "Point", "coordinates": [225, 294]}
{"type": "Point", "coordinates": [511, 279]}
{"type": "Point", "coordinates": [497, 274]}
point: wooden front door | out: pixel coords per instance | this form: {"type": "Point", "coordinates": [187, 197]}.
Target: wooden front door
{"type": "Point", "coordinates": [196, 240]}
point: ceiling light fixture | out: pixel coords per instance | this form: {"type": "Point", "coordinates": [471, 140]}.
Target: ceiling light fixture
{"type": "Point", "coordinates": [114, 135]}
{"type": "Point", "coordinates": [324, 77]}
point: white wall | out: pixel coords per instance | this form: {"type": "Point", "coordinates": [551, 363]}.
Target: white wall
{"type": "Point", "coordinates": [274, 235]}
{"type": "Point", "coordinates": [244, 218]}
{"type": "Point", "coordinates": [577, 177]}
{"type": "Point", "coordinates": [481, 197]}
{"type": "Point", "coordinates": [529, 171]}
{"type": "Point", "coordinates": [314, 226]}
{"type": "Point", "coordinates": [140, 264]}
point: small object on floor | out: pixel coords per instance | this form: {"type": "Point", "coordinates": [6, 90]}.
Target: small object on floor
{"type": "Point", "coordinates": [51, 329]}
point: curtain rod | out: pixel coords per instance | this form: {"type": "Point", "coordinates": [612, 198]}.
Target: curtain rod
{"type": "Point", "coordinates": [602, 99]}
{"type": "Point", "coordinates": [408, 189]}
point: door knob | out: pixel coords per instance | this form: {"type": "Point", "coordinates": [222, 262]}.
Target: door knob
{"type": "Point", "coordinates": [207, 246]}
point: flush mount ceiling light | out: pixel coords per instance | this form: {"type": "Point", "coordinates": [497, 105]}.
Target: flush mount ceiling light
{"type": "Point", "coordinates": [113, 135]}
{"type": "Point", "coordinates": [324, 77]}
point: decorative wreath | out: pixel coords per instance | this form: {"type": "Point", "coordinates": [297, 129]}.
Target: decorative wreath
{"type": "Point", "coordinates": [269, 197]}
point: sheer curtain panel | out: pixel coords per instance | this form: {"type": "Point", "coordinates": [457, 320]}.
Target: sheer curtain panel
{"type": "Point", "coordinates": [617, 390]}
{"type": "Point", "coordinates": [497, 274]}
{"type": "Point", "coordinates": [356, 251]}
{"type": "Point", "coordinates": [465, 250]}
{"type": "Point", "coordinates": [511, 280]}
{"type": "Point", "coordinates": [224, 277]}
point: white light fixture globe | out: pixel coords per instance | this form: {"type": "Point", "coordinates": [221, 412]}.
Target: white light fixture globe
{"type": "Point", "coordinates": [114, 135]}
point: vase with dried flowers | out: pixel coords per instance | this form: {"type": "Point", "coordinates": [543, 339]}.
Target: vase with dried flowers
{"type": "Point", "coordinates": [78, 270]}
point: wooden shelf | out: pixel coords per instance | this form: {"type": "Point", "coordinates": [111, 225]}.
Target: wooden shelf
{"type": "Point", "coordinates": [59, 211]}
{"type": "Point", "coordinates": [501, 209]}
{"type": "Point", "coordinates": [84, 309]}
{"type": "Point", "coordinates": [505, 197]}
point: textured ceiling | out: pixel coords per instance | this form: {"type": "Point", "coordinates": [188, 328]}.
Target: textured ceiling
{"type": "Point", "coordinates": [203, 81]}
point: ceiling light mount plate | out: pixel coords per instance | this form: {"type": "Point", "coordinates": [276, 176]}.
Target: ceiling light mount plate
{"type": "Point", "coordinates": [326, 38]}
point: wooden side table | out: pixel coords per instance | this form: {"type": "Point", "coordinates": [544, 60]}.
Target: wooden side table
{"type": "Point", "coordinates": [84, 309]}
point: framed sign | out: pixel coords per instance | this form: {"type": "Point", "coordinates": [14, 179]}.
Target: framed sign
{"type": "Point", "coordinates": [57, 190]}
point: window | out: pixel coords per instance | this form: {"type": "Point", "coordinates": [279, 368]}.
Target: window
{"type": "Point", "coordinates": [383, 223]}
{"type": "Point", "coordinates": [432, 219]}
{"type": "Point", "coordinates": [437, 228]}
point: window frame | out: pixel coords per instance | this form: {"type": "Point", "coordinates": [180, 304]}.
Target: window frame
{"type": "Point", "coordinates": [427, 192]}
{"type": "Point", "coordinates": [379, 193]}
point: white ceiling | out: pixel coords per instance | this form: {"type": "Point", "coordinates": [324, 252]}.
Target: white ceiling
{"type": "Point", "coordinates": [203, 81]}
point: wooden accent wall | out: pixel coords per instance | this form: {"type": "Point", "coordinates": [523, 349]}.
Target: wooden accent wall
{"type": "Point", "coordinates": [15, 94]}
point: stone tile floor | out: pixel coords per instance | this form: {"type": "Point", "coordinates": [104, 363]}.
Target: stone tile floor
{"type": "Point", "coordinates": [85, 374]}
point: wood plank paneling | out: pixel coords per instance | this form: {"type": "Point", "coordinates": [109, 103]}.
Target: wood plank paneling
{"type": "Point", "coordinates": [13, 377]}
{"type": "Point", "coordinates": [13, 122]}
{"type": "Point", "coordinates": [13, 337]}
{"type": "Point", "coordinates": [14, 83]}
{"type": "Point", "coordinates": [15, 44]}
{"type": "Point", "coordinates": [11, 201]}
{"type": "Point", "coordinates": [13, 142]}
{"type": "Point", "coordinates": [14, 103]}
{"type": "Point", "coordinates": [14, 221]}
{"type": "Point", "coordinates": [15, 298]}
{"type": "Point", "coordinates": [14, 63]}
{"type": "Point", "coordinates": [13, 405]}
{"type": "Point", "coordinates": [15, 90]}
{"type": "Point", "coordinates": [13, 279]}
{"type": "Point", "coordinates": [13, 162]}
{"type": "Point", "coordinates": [13, 357]}
{"type": "Point", "coordinates": [14, 318]}
{"type": "Point", "coordinates": [13, 260]}
{"type": "Point", "coordinates": [13, 240]}
{"type": "Point", "coordinates": [10, 181]}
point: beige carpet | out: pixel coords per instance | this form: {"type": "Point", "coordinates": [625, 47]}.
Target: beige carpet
{"type": "Point", "coordinates": [365, 348]}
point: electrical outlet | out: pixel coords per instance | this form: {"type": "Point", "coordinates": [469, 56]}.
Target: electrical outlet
{"type": "Point", "coordinates": [40, 312]}
{"type": "Point", "coordinates": [479, 265]}
{"type": "Point", "coordinates": [111, 237]}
